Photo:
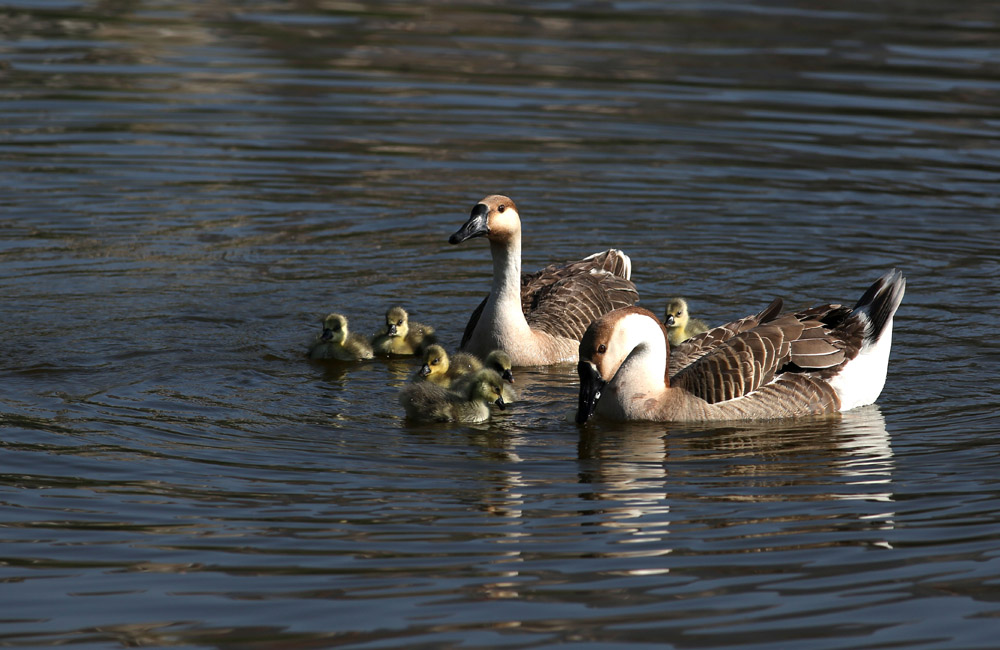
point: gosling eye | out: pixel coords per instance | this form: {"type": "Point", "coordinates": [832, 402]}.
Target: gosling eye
{"type": "Point", "coordinates": [501, 208]}
{"type": "Point", "coordinates": [601, 349]}
{"type": "Point", "coordinates": [434, 362]}
{"type": "Point", "coordinates": [399, 322]}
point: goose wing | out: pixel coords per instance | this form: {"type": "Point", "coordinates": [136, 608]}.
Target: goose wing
{"type": "Point", "coordinates": [563, 299]}
{"type": "Point", "coordinates": [698, 346]}
{"type": "Point", "coordinates": [786, 359]}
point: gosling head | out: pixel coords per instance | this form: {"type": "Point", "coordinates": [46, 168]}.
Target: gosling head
{"type": "Point", "coordinates": [499, 361]}
{"type": "Point", "coordinates": [487, 387]}
{"type": "Point", "coordinates": [495, 217]}
{"type": "Point", "coordinates": [396, 321]}
{"type": "Point", "coordinates": [676, 314]}
{"type": "Point", "coordinates": [435, 362]}
{"type": "Point", "coordinates": [334, 329]}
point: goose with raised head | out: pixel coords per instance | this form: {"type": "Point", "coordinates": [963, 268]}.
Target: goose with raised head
{"type": "Point", "coordinates": [538, 319]}
{"type": "Point", "coordinates": [443, 369]}
{"type": "Point", "coordinates": [401, 336]}
{"type": "Point", "coordinates": [337, 342]}
{"type": "Point", "coordinates": [822, 360]}
{"type": "Point", "coordinates": [680, 325]}
{"type": "Point", "coordinates": [424, 401]}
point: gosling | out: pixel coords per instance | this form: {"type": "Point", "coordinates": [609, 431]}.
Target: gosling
{"type": "Point", "coordinates": [499, 362]}
{"type": "Point", "coordinates": [337, 342]}
{"type": "Point", "coordinates": [400, 337]}
{"type": "Point", "coordinates": [443, 370]}
{"type": "Point", "coordinates": [424, 401]}
{"type": "Point", "coordinates": [680, 325]}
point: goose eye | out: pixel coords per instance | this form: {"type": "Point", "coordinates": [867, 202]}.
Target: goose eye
{"type": "Point", "coordinates": [434, 362]}
{"type": "Point", "coordinates": [601, 349]}
{"type": "Point", "coordinates": [399, 322]}
{"type": "Point", "coordinates": [501, 208]}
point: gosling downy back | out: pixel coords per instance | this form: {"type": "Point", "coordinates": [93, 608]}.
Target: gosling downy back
{"type": "Point", "coordinates": [427, 402]}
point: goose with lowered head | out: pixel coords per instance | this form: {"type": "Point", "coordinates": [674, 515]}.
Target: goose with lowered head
{"type": "Point", "coordinates": [538, 319]}
{"type": "Point", "coordinates": [822, 360]}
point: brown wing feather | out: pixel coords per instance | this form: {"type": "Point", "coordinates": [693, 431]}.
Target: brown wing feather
{"type": "Point", "coordinates": [562, 299]}
{"type": "Point", "coordinates": [743, 364]}
{"type": "Point", "coordinates": [698, 346]}
{"type": "Point", "coordinates": [566, 307]}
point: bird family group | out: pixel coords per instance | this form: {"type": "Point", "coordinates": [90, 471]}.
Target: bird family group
{"type": "Point", "coordinates": [632, 365]}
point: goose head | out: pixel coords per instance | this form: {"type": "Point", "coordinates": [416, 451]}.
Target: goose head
{"type": "Point", "coordinates": [396, 322]}
{"type": "Point", "coordinates": [499, 361]}
{"type": "Point", "coordinates": [495, 217]}
{"type": "Point", "coordinates": [487, 387]}
{"type": "Point", "coordinates": [676, 314]}
{"type": "Point", "coordinates": [435, 362]}
{"type": "Point", "coordinates": [604, 347]}
{"type": "Point", "coordinates": [334, 329]}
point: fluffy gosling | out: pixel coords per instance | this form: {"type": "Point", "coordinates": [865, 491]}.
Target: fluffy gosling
{"type": "Point", "coordinates": [441, 369]}
{"type": "Point", "coordinates": [337, 342]}
{"type": "Point", "coordinates": [400, 336]}
{"type": "Point", "coordinates": [680, 325]}
{"type": "Point", "coordinates": [425, 401]}
{"type": "Point", "coordinates": [499, 362]}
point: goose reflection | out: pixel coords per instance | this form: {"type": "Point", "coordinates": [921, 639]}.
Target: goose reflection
{"type": "Point", "coordinates": [643, 475]}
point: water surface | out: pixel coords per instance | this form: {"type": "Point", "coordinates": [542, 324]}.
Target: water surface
{"type": "Point", "coordinates": [188, 187]}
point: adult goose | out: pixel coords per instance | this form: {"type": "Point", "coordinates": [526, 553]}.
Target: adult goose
{"type": "Point", "coordinates": [822, 360]}
{"type": "Point", "coordinates": [538, 319]}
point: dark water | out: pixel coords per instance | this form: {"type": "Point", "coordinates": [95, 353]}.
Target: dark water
{"type": "Point", "coordinates": [188, 187]}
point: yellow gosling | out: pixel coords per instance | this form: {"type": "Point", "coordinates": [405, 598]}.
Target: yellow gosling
{"type": "Point", "coordinates": [337, 342]}
{"type": "Point", "coordinates": [443, 370]}
{"type": "Point", "coordinates": [400, 336]}
{"type": "Point", "coordinates": [680, 325]}
{"type": "Point", "coordinates": [425, 401]}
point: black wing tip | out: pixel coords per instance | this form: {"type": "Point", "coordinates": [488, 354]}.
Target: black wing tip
{"type": "Point", "coordinates": [881, 301]}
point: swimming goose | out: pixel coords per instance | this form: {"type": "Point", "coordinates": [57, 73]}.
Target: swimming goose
{"type": "Point", "coordinates": [822, 360]}
{"type": "Point", "coordinates": [424, 401]}
{"type": "Point", "coordinates": [499, 362]}
{"type": "Point", "coordinates": [441, 369]}
{"type": "Point", "coordinates": [538, 319]}
{"type": "Point", "coordinates": [336, 342]}
{"type": "Point", "coordinates": [400, 336]}
{"type": "Point", "coordinates": [680, 325]}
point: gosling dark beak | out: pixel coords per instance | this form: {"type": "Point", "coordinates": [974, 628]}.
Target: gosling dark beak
{"type": "Point", "coordinates": [327, 334]}
{"type": "Point", "coordinates": [476, 226]}
{"type": "Point", "coordinates": [591, 386]}
{"type": "Point", "coordinates": [392, 330]}
{"type": "Point", "coordinates": [500, 403]}
{"type": "Point", "coordinates": [669, 320]}
{"type": "Point", "coordinates": [508, 375]}
{"type": "Point", "coordinates": [424, 370]}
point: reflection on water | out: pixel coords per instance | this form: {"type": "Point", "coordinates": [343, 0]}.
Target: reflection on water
{"type": "Point", "coordinates": [188, 187]}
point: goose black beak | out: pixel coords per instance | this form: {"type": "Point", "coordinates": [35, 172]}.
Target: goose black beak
{"type": "Point", "coordinates": [499, 402]}
{"type": "Point", "coordinates": [392, 330]}
{"type": "Point", "coordinates": [476, 226]}
{"type": "Point", "coordinates": [424, 370]}
{"type": "Point", "coordinates": [591, 385]}
{"type": "Point", "coordinates": [508, 375]}
{"type": "Point", "coordinates": [327, 334]}
{"type": "Point", "coordinates": [668, 321]}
